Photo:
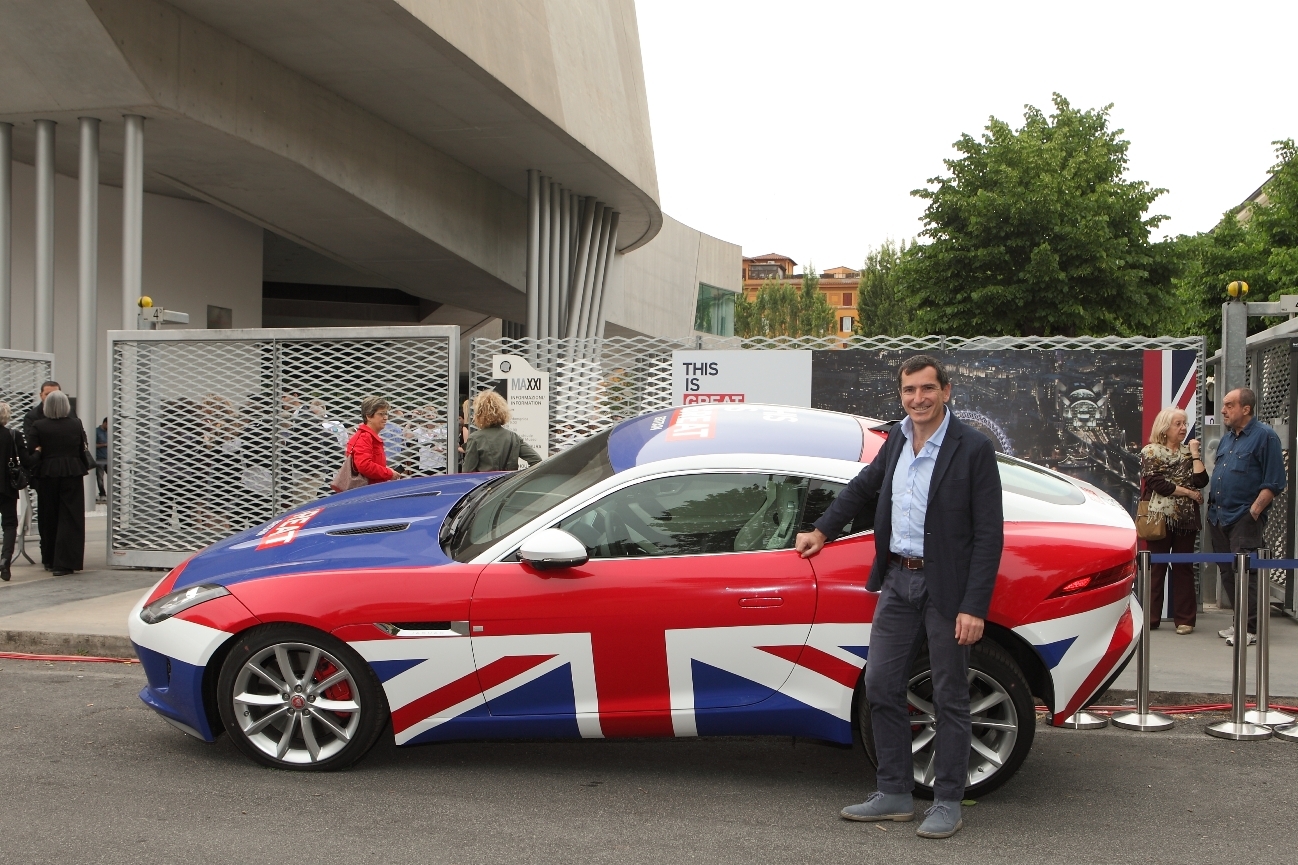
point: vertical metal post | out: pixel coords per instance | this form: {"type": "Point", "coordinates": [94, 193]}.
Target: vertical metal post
{"type": "Point", "coordinates": [597, 318]}
{"type": "Point", "coordinates": [533, 247]}
{"type": "Point", "coordinates": [543, 264]}
{"type": "Point", "coordinates": [6, 231]}
{"type": "Point", "coordinates": [1264, 714]}
{"type": "Point", "coordinates": [557, 228]}
{"type": "Point", "coordinates": [580, 267]}
{"type": "Point", "coordinates": [1234, 351]}
{"type": "Point", "coordinates": [1237, 728]}
{"type": "Point", "coordinates": [565, 263]}
{"type": "Point", "coordinates": [88, 291]}
{"type": "Point", "coordinates": [452, 400]}
{"type": "Point", "coordinates": [132, 220]}
{"type": "Point", "coordinates": [1142, 719]}
{"type": "Point", "coordinates": [44, 301]}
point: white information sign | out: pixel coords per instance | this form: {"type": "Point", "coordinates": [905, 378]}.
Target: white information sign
{"type": "Point", "coordinates": [775, 377]}
{"type": "Point", "coordinates": [528, 393]}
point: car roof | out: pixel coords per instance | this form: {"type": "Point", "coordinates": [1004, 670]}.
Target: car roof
{"type": "Point", "coordinates": [729, 428]}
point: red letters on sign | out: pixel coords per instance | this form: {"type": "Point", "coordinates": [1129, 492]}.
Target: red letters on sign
{"type": "Point", "coordinates": [284, 531]}
{"type": "Point", "coordinates": [702, 398]}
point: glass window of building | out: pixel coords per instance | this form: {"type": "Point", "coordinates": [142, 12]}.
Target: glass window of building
{"type": "Point", "coordinates": [845, 323]}
{"type": "Point", "coordinates": [715, 311]}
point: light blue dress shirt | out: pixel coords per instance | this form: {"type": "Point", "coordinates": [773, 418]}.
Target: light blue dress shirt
{"type": "Point", "coordinates": [910, 483]}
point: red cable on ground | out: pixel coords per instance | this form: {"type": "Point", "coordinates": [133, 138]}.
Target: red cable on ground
{"type": "Point", "coordinates": [92, 659]}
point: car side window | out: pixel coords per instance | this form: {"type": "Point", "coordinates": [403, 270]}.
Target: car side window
{"type": "Point", "coordinates": [693, 515]}
{"type": "Point", "coordinates": [820, 495]}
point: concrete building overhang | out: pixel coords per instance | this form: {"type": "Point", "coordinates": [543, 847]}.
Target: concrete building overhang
{"type": "Point", "coordinates": [391, 135]}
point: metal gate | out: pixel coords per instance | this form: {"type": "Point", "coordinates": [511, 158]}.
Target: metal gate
{"type": "Point", "coordinates": [213, 432]}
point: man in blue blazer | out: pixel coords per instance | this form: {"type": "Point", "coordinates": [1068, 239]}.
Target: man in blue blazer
{"type": "Point", "coordinates": [938, 534]}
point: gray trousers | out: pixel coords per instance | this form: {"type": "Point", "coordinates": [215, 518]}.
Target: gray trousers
{"type": "Point", "coordinates": [902, 618]}
{"type": "Point", "coordinates": [1242, 536]}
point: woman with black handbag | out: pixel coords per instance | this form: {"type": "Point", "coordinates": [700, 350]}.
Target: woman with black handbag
{"type": "Point", "coordinates": [1172, 475]}
{"type": "Point", "coordinates": [64, 459]}
{"type": "Point", "coordinates": [13, 477]}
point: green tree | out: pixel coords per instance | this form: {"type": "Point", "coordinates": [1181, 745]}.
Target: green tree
{"type": "Point", "coordinates": [779, 309]}
{"type": "Point", "coordinates": [1039, 232]}
{"type": "Point", "coordinates": [881, 307]}
{"type": "Point", "coordinates": [1257, 243]}
{"type": "Point", "coordinates": [815, 315]}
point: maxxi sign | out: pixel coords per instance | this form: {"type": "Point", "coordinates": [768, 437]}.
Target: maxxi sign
{"type": "Point", "coordinates": [776, 377]}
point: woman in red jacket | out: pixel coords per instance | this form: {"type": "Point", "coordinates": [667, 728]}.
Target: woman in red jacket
{"type": "Point", "coordinates": [366, 448]}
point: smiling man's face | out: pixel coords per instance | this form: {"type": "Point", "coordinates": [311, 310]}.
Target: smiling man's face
{"type": "Point", "coordinates": [923, 397]}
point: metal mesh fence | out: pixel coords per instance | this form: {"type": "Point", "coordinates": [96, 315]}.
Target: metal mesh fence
{"type": "Point", "coordinates": [214, 434]}
{"type": "Point", "coordinates": [598, 382]}
{"type": "Point", "coordinates": [21, 375]}
{"type": "Point", "coordinates": [1273, 403]}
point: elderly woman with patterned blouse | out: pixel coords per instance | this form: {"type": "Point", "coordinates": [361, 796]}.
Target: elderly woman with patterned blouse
{"type": "Point", "coordinates": [1172, 474]}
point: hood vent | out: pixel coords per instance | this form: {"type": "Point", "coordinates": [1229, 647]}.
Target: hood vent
{"type": "Point", "coordinates": [372, 530]}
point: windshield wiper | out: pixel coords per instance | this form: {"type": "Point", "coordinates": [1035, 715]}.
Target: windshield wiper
{"type": "Point", "coordinates": [461, 515]}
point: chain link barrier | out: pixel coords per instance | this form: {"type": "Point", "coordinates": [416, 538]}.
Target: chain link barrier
{"type": "Point", "coordinates": [213, 433]}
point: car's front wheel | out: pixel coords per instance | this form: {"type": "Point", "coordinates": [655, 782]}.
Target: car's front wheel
{"type": "Point", "coordinates": [1000, 708]}
{"type": "Point", "coordinates": [296, 698]}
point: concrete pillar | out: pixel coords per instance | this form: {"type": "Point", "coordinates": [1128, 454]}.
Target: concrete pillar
{"type": "Point", "coordinates": [600, 256]}
{"type": "Point", "coordinates": [565, 262]}
{"type": "Point", "coordinates": [580, 267]}
{"type": "Point", "coordinates": [543, 264]}
{"type": "Point", "coordinates": [556, 250]}
{"type": "Point", "coordinates": [597, 321]}
{"type": "Point", "coordinates": [6, 232]}
{"type": "Point", "coordinates": [533, 247]}
{"type": "Point", "coordinates": [44, 301]}
{"type": "Point", "coordinates": [132, 220]}
{"type": "Point", "coordinates": [88, 290]}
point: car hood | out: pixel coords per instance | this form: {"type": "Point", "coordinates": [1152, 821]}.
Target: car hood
{"type": "Point", "coordinates": [393, 524]}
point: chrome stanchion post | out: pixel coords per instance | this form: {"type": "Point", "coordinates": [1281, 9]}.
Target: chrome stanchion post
{"type": "Point", "coordinates": [1264, 714]}
{"type": "Point", "coordinates": [1142, 719]}
{"type": "Point", "coordinates": [1237, 728]}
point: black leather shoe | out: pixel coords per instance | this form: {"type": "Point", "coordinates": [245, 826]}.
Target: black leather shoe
{"type": "Point", "coordinates": [48, 567]}
{"type": "Point", "coordinates": [61, 573]}
{"type": "Point", "coordinates": [4, 573]}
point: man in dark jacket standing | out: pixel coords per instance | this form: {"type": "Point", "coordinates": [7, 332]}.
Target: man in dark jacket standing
{"type": "Point", "coordinates": [938, 534]}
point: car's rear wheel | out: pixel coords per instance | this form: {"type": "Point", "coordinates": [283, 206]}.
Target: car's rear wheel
{"type": "Point", "coordinates": [296, 698]}
{"type": "Point", "coordinates": [1000, 707]}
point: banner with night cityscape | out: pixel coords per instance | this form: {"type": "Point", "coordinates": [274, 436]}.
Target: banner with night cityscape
{"type": "Point", "coordinates": [1079, 412]}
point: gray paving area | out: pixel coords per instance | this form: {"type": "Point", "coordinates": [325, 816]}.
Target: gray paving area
{"type": "Point", "coordinates": [92, 776]}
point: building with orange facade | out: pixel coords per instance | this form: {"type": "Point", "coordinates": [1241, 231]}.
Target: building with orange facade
{"type": "Point", "coordinates": [838, 284]}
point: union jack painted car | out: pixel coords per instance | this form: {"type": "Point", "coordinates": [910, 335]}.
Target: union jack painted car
{"type": "Point", "coordinates": [640, 583]}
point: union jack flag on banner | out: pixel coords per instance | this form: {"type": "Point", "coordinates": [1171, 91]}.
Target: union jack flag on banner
{"type": "Point", "coordinates": [1171, 379]}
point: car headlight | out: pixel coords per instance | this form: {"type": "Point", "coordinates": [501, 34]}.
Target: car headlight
{"type": "Point", "coordinates": [168, 605]}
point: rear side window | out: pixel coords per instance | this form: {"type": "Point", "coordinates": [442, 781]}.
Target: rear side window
{"type": "Point", "coordinates": [820, 496]}
{"type": "Point", "coordinates": [693, 515]}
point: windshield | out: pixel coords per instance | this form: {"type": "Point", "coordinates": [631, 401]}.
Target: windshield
{"type": "Point", "coordinates": [1036, 483]}
{"type": "Point", "coordinates": [518, 499]}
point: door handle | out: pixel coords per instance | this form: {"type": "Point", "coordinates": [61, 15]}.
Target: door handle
{"type": "Point", "coordinates": [768, 601]}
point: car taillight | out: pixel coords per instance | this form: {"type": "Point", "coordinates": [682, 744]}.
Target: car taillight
{"type": "Point", "coordinates": [1107, 577]}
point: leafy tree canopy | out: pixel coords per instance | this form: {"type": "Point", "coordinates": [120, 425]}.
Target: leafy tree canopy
{"type": "Point", "coordinates": [1258, 244]}
{"type": "Point", "coordinates": [881, 307]}
{"type": "Point", "coordinates": [782, 310]}
{"type": "Point", "coordinates": [1037, 231]}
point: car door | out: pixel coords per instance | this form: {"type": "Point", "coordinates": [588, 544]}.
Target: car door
{"type": "Point", "coordinates": [692, 598]}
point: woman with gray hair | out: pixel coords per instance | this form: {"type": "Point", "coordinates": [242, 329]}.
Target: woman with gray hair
{"type": "Point", "coordinates": [58, 440]}
{"type": "Point", "coordinates": [13, 458]}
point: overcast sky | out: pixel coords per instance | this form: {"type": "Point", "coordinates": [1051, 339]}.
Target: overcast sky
{"type": "Point", "coordinates": [802, 127]}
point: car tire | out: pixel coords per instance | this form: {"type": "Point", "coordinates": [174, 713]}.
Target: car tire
{"type": "Point", "coordinates": [999, 686]}
{"type": "Point", "coordinates": [296, 698]}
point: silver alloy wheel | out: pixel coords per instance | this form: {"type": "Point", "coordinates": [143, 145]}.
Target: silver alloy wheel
{"type": "Point", "coordinates": [995, 727]}
{"type": "Point", "coordinates": [282, 706]}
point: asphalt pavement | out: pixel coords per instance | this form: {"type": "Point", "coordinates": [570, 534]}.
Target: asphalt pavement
{"type": "Point", "coordinates": [91, 776]}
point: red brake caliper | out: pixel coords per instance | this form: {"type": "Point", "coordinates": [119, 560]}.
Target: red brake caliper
{"type": "Point", "coordinates": [339, 692]}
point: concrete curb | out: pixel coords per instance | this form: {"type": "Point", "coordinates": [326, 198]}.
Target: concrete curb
{"type": "Point", "coordinates": [47, 643]}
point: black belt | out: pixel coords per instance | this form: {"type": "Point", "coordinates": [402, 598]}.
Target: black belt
{"type": "Point", "coordinates": [910, 563]}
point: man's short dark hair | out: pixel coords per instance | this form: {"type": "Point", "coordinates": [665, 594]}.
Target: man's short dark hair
{"type": "Point", "coordinates": [1248, 398]}
{"type": "Point", "coordinates": [53, 384]}
{"type": "Point", "coordinates": [912, 365]}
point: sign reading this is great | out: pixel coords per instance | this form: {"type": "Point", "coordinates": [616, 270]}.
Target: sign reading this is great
{"type": "Point", "coordinates": [775, 377]}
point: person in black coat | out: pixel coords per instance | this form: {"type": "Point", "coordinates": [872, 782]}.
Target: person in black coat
{"type": "Point", "coordinates": [13, 452]}
{"type": "Point", "coordinates": [59, 439]}
{"type": "Point", "coordinates": [35, 413]}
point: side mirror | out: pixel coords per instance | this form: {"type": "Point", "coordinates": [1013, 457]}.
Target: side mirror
{"type": "Point", "coordinates": [553, 548]}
